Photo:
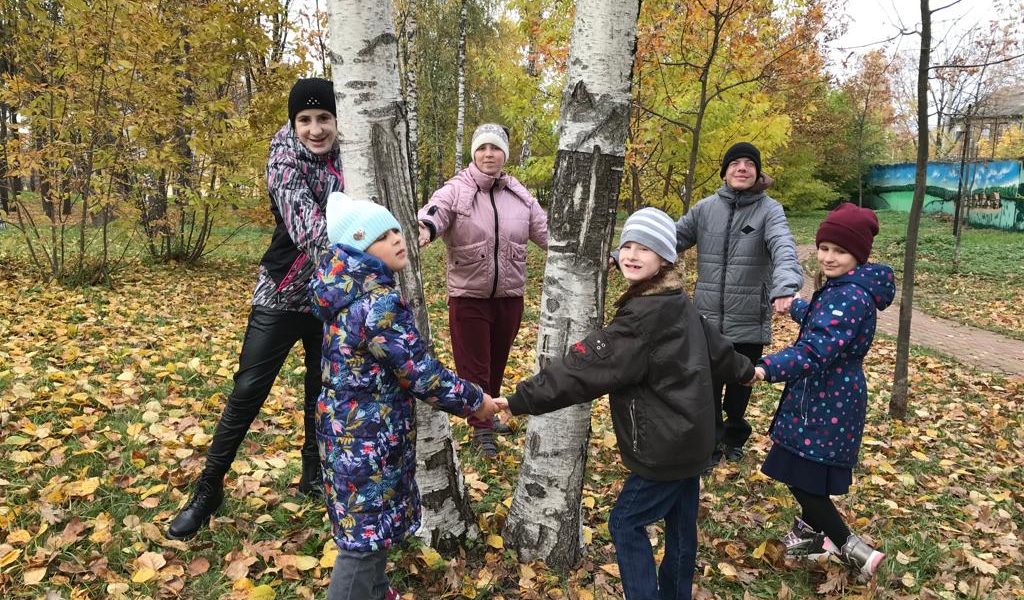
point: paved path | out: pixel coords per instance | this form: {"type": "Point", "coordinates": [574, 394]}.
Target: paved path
{"type": "Point", "coordinates": [985, 350]}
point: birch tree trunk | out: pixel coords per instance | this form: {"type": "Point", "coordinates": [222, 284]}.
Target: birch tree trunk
{"type": "Point", "coordinates": [544, 521]}
{"type": "Point", "coordinates": [460, 119]}
{"type": "Point", "coordinates": [411, 65]}
{"type": "Point", "coordinates": [372, 131]}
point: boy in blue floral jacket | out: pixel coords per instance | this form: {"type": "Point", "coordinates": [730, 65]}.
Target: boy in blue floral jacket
{"type": "Point", "coordinates": [374, 365]}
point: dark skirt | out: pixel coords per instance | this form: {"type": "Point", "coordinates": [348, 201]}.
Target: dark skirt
{"type": "Point", "coordinates": [808, 475]}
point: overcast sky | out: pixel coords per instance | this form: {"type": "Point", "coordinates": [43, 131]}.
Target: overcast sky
{"type": "Point", "coordinates": [873, 23]}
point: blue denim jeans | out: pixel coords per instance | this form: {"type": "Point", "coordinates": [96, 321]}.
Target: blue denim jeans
{"type": "Point", "coordinates": [642, 502]}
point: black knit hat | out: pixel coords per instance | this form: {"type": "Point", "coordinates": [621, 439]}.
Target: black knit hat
{"type": "Point", "coordinates": [741, 150]}
{"type": "Point", "coordinates": [311, 93]}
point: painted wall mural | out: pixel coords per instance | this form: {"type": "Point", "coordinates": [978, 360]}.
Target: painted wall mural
{"type": "Point", "coordinates": [994, 190]}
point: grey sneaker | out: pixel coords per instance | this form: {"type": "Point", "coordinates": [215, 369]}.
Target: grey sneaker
{"type": "Point", "coordinates": [804, 542]}
{"type": "Point", "coordinates": [861, 557]}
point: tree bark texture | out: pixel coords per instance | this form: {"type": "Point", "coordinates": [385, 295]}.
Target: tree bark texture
{"type": "Point", "coordinates": [544, 521]}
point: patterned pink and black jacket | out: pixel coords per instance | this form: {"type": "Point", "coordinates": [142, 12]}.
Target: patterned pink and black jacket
{"type": "Point", "coordinates": [298, 182]}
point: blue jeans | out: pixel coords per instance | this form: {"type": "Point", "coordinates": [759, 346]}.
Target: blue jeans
{"type": "Point", "coordinates": [642, 502]}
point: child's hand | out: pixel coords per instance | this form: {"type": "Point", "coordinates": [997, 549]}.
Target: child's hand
{"type": "Point", "coordinates": [487, 409]}
{"type": "Point", "coordinates": [502, 403]}
{"type": "Point", "coordinates": [758, 376]}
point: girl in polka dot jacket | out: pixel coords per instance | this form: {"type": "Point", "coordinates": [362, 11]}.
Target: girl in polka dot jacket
{"type": "Point", "coordinates": [819, 423]}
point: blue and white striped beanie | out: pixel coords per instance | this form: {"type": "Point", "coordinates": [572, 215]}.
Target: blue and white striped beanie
{"type": "Point", "coordinates": [357, 223]}
{"type": "Point", "coordinates": [652, 228]}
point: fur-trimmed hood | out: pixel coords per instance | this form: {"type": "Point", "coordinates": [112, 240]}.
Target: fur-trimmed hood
{"type": "Point", "coordinates": [666, 281]}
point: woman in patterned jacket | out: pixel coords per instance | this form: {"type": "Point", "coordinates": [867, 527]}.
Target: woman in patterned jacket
{"type": "Point", "coordinates": [303, 169]}
{"type": "Point", "coordinates": [374, 366]}
{"type": "Point", "coordinates": [818, 426]}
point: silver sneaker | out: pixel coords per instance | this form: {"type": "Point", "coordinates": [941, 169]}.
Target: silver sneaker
{"type": "Point", "coordinates": [804, 542]}
{"type": "Point", "coordinates": [861, 557]}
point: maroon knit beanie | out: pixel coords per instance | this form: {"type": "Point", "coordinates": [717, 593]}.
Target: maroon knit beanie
{"type": "Point", "coordinates": [851, 227]}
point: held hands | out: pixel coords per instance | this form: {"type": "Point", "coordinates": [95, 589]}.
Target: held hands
{"type": "Point", "coordinates": [758, 376]}
{"type": "Point", "coordinates": [782, 305]}
{"type": "Point", "coordinates": [487, 408]}
{"type": "Point", "coordinates": [502, 403]}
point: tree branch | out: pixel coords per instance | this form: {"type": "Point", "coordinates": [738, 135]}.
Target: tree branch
{"type": "Point", "coordinates": [978, 65]}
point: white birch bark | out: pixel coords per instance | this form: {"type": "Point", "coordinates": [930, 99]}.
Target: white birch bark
{"type": "Point", "coordinates": [411, 72]}
{"type": "Point", "coordinates": [460, 119]}
{"type": "Point", "coordinates": [544, 522]}
{"type": "Point", "coordinates": [373, 137]}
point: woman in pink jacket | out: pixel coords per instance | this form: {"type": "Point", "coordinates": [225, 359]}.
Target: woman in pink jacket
{"type": "Point", "coordinates": [486, 217]}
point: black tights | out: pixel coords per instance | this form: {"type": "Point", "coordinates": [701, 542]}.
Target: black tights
{"type": "Point", "coordinates": [821, 514]}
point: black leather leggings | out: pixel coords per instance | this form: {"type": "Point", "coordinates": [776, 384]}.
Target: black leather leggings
{"type": "Point", "coordinates": [269, 337]}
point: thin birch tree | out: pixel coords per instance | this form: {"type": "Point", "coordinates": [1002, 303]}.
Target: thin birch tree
{"type": "Point", "coordinates": [460, 119]}
{"type": "Point", "coordinates": [373, 138]}
{"type": "Point", "coordinates": [410, 66]}
{"type": "Point", "coordinates": [544, 521]}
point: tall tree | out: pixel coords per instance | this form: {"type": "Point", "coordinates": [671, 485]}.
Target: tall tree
{"type": "Point", "coordinates": [372, 131]}
{"type": "Point", "coordinates": [898, 401]}
{"type": "Point", "coordinates": [460, 118]}
{"type": "Point", "coordinates": [409, 68]}
{"type": "Point", "coordinates": [708, 73]}
{"type": "Point", "coordinates": [544, 521]}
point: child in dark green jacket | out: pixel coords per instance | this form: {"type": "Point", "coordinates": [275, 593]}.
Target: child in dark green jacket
{"type": "Point", "coordinates": [656, 359]}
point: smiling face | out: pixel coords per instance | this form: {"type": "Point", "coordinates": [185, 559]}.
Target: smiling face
{"type": "Point", "coordinates": [489, 159]}
{"type": "Point", "coordinates": [317, 129]}
{"type": "Point", "coordinates": [741, 174]}
{"type": "Point", "coordinates": [390, 249]}
{"type": "Point", "coordinates": [834, 260]}
{"type": "Point", "coordinates": [638, 262]}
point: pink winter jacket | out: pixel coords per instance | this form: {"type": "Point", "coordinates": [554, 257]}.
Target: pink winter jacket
{"type": "Point", "coordinates": [486, 223]}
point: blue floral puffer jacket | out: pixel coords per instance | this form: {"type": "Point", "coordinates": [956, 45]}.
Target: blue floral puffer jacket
{"type": "Point", "coordinates": [374, 364]}
{"type": "Point", "coordinates": [822, 410]}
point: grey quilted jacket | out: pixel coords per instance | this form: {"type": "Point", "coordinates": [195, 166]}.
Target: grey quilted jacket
{"type": "Point", "coordinates": [746, 257]}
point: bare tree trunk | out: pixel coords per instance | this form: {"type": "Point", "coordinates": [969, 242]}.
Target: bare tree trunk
{"type": "Point", "coordinates": [364, 50]}
{"type": "Point", "coordinates": [411, 73]}
{"type": "Point", "coordinates": [898, 402]}
{"type": "Point", "coordinates": [544, 521]}
{"type": "Point", "coordinates": [460, 119]}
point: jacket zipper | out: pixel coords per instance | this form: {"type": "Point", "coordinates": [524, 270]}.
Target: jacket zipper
{"type": "Point", "coordinates": [632, 419]}
{"type": "Point", "coordinates": [494, 207]}
{"type": "Point", "coordinates": [725, 268]}
{"type": "Point", "coordinates": [803, 402]}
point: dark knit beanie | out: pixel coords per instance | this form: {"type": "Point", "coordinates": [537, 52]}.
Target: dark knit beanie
{"type": "Point", "coordinates": [851, 227]}
{"type": "Point", "coordinates": [311, 93]}
{"type": "Point", "coordinates": [741, 150]}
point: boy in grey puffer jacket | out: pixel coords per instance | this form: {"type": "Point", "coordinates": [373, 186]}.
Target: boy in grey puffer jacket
{"type": "Point", "coordinates": [746, 266]}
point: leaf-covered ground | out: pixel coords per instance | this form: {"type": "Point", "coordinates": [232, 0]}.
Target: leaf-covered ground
{"type": "Point", "coordinates": [108, 398]}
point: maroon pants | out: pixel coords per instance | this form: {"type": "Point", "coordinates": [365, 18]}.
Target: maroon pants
{"type": "Point", "coordinates": [482, 332]}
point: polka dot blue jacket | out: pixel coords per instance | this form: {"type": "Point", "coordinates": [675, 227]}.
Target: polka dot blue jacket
{"type": "Point", "coordinates": [821, 414]}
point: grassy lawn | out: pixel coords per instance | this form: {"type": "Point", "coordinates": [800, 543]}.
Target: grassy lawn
{"type": "Point", "coordinates": [986, 288]}
{"type": "Point", "coordinates": [108, 398]}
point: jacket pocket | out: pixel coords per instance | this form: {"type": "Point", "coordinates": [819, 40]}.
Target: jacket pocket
{"type": "Point", "coordinates": [470, 254]}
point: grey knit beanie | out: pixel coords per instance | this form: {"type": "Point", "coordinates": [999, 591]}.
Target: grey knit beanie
{"type": "Point", "coordinates": [652, 228]}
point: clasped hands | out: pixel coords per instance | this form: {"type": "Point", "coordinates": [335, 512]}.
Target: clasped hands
{"type": "Point", "coordinates": [758, 376]}
{"type": "Point", "coordinates": [489, 407]}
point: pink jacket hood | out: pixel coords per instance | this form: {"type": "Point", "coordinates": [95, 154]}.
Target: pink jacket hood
{"type": "Point", "coordinates": [486, 223]}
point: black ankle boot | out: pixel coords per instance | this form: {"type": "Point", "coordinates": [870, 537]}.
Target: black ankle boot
{"type": "Point", "coordinates": [206, 499]}
{"type": "Point", "coordinates": [311, 484]}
